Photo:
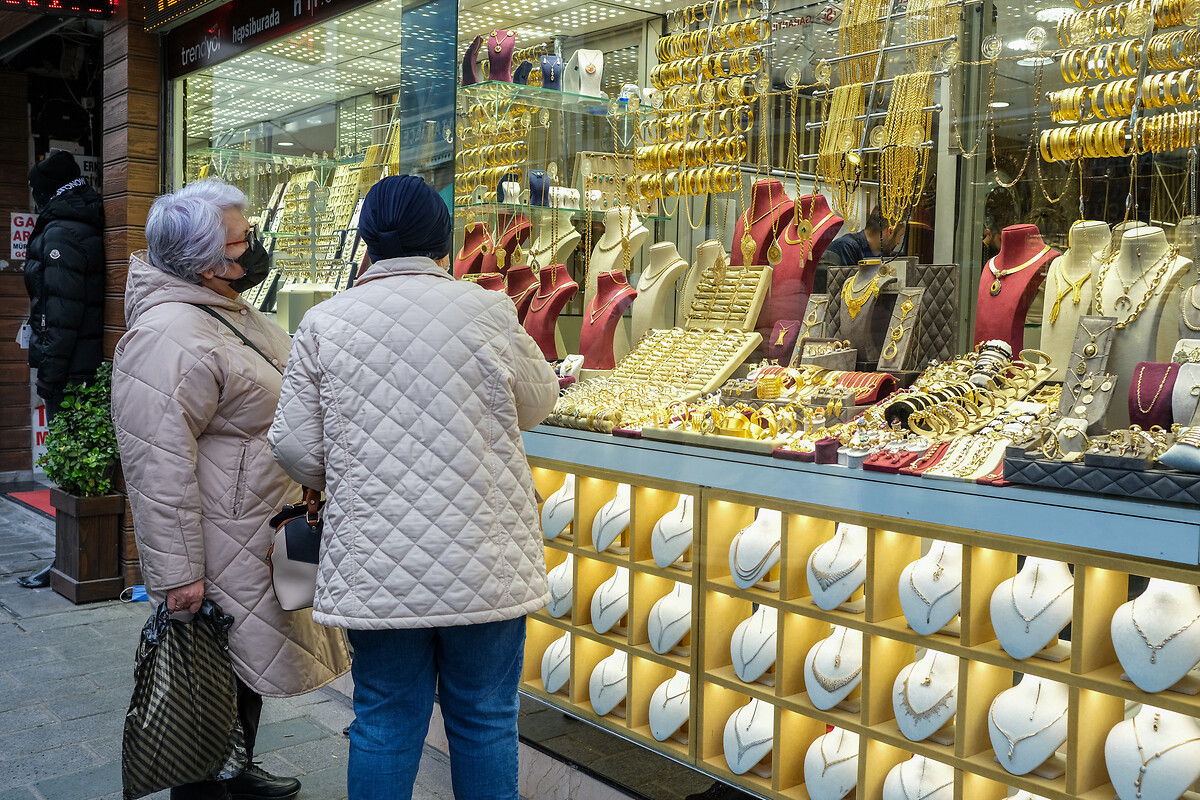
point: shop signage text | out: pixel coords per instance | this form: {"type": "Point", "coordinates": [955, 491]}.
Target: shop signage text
{"type": "Point", "coordinates": [241, 25]}
{"type": "Point", "coordinates": [19, 230]}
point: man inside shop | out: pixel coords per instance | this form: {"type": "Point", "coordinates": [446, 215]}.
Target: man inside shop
{"type": "Point", "coordinates": [876, 239]}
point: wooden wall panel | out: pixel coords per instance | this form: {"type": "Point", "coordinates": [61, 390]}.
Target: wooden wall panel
{"type": "Point", "coordinates": [15, 429]}
{"type": "Point", "coordinates": [132, 179]}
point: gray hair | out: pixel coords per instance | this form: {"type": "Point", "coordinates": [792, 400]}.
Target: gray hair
{"type": "Point", "coordinates": [185, 232]}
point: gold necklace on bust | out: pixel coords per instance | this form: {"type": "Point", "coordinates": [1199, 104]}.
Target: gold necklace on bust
{"type": "Point", "coordinates": [1074, 289]}
{"type": "Point", "coordinates": [854, 304]}
{"type": "Point", "coordinates": [997, 274]}
{"type": "Point", "coordinates": [500, 40]}
{"type": "Point", "coordinates": [1159, 269]}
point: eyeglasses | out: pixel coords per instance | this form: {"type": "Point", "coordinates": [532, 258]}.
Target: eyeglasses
{"type": "Point", "coordinates": [249, 241]}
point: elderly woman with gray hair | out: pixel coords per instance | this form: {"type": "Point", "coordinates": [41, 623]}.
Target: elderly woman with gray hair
{"type": "Point", "coordinates": [195, 383]}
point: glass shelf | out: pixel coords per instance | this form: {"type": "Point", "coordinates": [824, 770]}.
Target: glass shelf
{"type": "Point", "coordinates": [466, 209]}
{"type": "Point", "coordinates": [510, 95]}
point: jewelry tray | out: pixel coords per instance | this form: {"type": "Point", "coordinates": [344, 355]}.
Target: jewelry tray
{"type": "Point", "coordinates": [1166, 485]}
{"type": "Point", "coordinates": [724, 288]}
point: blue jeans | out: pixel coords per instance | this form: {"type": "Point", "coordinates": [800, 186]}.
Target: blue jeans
{"type": "Point", "coordinates": [475, 668]}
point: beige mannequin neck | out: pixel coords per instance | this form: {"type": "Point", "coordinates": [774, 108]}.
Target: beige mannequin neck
{"type": "Point", "coordinates": [655, 287]}
{"type": "Point", "coordinates": [550, 249]}
{"type": "Point", "coordinates": [1140, 248]}
{"type": "Point", "coordinates": [1087, 240]}
{"type": "Point", "coordinates": [1187, 237]}
{"type": "Point", "coordinates": [608, 253]}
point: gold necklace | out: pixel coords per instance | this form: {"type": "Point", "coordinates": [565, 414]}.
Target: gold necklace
{"type": "Point", "coordinates": [500, 40]}
{"type": "Point", "coordinates": [1075, 290]}
{"type": "Point", "coordinates": [594, 314]}
{"type": "Point", "coordinates": [806, 235]}
{"type": "Point", "coordinates": [1137, 782]}
{"type": "Point", "coordinates": [854, 304]}
{"type": "Point", "coordinates": [1002, 273]}
{"type": "Point", "coordinates": [1138, 394]}
{"type": "Point", "coordinates": [904, 159]}
{"type": "Point", "coordinates": [1160, 270]}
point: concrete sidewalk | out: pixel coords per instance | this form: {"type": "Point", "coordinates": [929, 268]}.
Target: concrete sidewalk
{"type": "Point", "coordinates": [66, 676]}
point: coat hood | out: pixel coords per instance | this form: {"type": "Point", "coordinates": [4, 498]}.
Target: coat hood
{"type": "Point", "coordinates": [77, 205]}
{"type": "Point", "coordinates": [147, 286]}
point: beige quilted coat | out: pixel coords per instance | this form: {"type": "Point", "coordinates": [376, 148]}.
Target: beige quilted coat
{"type": "Point", "coordinates": [404, 399]}
{"type": "Point", "coordinates": [192, 405]}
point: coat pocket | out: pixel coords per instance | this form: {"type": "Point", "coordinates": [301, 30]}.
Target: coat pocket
{"type": "Point", "coordinates": [239, 486]}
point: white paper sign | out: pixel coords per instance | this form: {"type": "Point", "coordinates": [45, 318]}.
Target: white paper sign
{"type": "Point", "coordinates": [23, 334]}
{"type": "Point", "coordinates": [19, 231]}
{"type": "Point", "coordinates": [39, 434]}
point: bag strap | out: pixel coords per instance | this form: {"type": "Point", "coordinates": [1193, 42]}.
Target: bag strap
{"type": "Point", "coordinates": [237, 333]}
{"type": "Point", "coordinates": [312, 499]}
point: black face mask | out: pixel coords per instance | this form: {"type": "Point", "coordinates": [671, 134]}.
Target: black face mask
{"type": "Point", "coordinates": [256, 262]}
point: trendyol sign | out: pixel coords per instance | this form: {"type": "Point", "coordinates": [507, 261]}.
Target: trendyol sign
{"type": "Point", "coordinates": [237, 27]}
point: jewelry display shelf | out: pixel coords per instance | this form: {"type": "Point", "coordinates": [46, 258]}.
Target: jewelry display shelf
{"type": "Point", "coordinates": [1106, 542]}
{"type": "Point", "coordinates": [506, 95]}
{"type": "Point", "coordinates": [1167, 485]}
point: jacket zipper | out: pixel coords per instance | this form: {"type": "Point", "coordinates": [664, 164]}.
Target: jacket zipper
{"type": "Point", "coordinates": [239, 488]}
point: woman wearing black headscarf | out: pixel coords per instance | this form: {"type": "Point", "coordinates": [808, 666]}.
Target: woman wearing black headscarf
{"type": "Point", "coordinates": [404, 400]}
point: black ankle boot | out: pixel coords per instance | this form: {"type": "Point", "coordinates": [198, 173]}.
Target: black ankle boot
{"type": "Point", "coordinates": [36, 580]}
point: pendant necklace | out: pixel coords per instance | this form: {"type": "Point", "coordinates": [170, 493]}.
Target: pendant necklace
{"type": "Point", "coordinates": [942, 702]}
{"type": "Point", "coordinates": [1137, 782]}
{"type": "Point", "coordinates": [930, 793]}
{"type": "Point", "coordinates": [687, 687]}
{"type": "Point", "coordinates": [1091, 349]}
{"type": "Point", "coordinates": [500, 40]}
{"type": "Point", "coordinates": [997, 274]}
{"type": "Point", "coordinates": [1014, 741]}
{"type": "Point", "coordinates": [768, 639]}
{"type": "Point", "coordinates": [832, 685]}
{"type": "Point", "coordinates": [1154, 648]}
{"type": "Point", "coordinates": [1159, 268]}
{"type": "Point", "coordinates": [1029, 620]}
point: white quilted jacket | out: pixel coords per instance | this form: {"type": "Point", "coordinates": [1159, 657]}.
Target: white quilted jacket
{"type": "Point", "coordinates": [192, 405]}
{"type": "Point", "coordinates": [404, 399]}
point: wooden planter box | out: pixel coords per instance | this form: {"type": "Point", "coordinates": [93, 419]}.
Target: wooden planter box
{"type": "Point", "coordinates": [86, 565]}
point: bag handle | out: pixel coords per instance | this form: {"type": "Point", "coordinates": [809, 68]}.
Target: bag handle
{"type": "Point", "coordinates": [237, 333]}
{"type": "Point", "coordinates": [312, 499]}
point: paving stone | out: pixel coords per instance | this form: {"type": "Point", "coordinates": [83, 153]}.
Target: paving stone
{"type": "Point", "coordinates": [83, 785]}
{"type": "Point", "coordinates": [75, 667]}
{"type": "Point", "coordinates": [47, 736]}
{"type": "Point", "coordinates": [44, 765]}
{"type": "Point", "coordinates": [287, 734]}
{"type": "Point", "coordinates": [328, 784]}
{"type": "Point", "coordinates": [102, 701]}
{"type": "Point", "coordinates": [31, 716]}
{"type": "Point", "coordinates": [19, 696]}
{"type": "Point", "coordinates": [21, 793]}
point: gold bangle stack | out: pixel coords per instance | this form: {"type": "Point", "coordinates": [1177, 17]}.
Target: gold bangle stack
{"type": "Point", "coordinates": [1166, 132]}
{"type": "Point", "coordinates": [1118, 20]}
{"type": "Point", "coordinates": [701, 12]}
{"type": "Point", "coordinates": [714, 66]}
{"type": "Point", "coordinates": [1174, 50]}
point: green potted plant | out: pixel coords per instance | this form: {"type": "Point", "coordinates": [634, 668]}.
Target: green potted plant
{"type": "Point", "coordinates": [82, 459]}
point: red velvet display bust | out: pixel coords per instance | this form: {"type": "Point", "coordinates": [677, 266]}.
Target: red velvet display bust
{"type": "Point", "coordinates": [555, 289]}
{"type": "Point", "coordinates": [792, 278]}
{"type": "Point", "coordinates": [476, 239]}
{"type": "Point", "coordinates": [600, 318]}
{"type": "Point", "coordinates": [492, 281]}
{"type": "Point", "coordinates": [519, 284]}
{"type": "Point", "coordinates": [1008, 284]}
{"type": "Point", "coordinates": [769, 204]}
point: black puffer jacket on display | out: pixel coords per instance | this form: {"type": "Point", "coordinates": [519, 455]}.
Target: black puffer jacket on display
{"type": "Point", "coordinates": [64, 276]}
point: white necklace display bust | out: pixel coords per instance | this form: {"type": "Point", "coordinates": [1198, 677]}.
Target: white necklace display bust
{"type": "Point", "coordinates": [607, 686]}
{"type": "Point", "coordinates": [749, 737]}
{"type": "Point", "coordinates": [611, 601]}
{"type": "Point", "coordinates": [838, 567]}
{"type": "Point", "coordinates": [925, 694]}
{"type": "Point", "coordinates": [833, 667]}
{"type": "Point", "coordinates": [1031, 609]}
{"type": "Point", "coordinates": [559, 509]}
{"type": "Point", "coordinates": [831, 765]}
{"type": "Point", "coordinates": [1027, 723]}
{"type": "Point", "coordinates": [611, 520]}
{"type": "Point", "coordinates": [919, 778]}
{"type": "Point", "coordinates": [670, 706]}
{"type": "Point", "coordinates": [1156, 635]}
{"type": "Point", "coordinates": [753, 645]}
{"type": "Point", "coordinates": [755, 548]}
{"type": "Point", "coordinates": [670, 619]}
{"type": "Point", "coordinates": [556, 664]}
{"type": "Point", "coordinates": [1153, 756]}
{"type": "Point", "coordinates": [672, 534]}
{"type": "Point", "coordinates": [931, 588]}
{"type": "Point", "coordinates": [562, 587]}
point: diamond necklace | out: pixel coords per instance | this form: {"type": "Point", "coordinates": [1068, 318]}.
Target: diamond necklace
{"type": "Point", "coordinates": [1029, 620]}
{"type": "Point", "coordinates": [825, 760]}
{"type": "Point", "coordinates": [921, 716]}
{"type": "Point", "coordinates": [930, 603]}
{"type": "Point", "coordinates": [1154, 648]}
{"type": "Point", "coordinates": [743, 747]}
{"type": "Point", "coordinates": [832, 685]}
{"type": "Point", "coordinates": [1012, 743]}
{"type": "Point", "coordinates": [766, 641]}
